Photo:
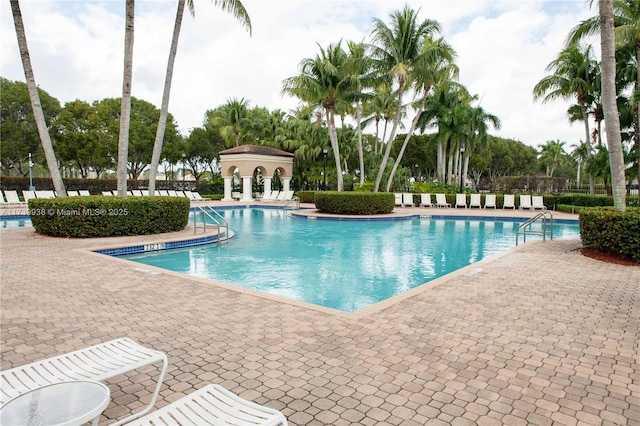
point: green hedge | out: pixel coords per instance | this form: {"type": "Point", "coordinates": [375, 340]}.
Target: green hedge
{"type": "Point", "coordinates": [361, 203]}
{"type": "Point", "coordinates": [98, 216]}
{"type": "Point", "coordinates": [609, 231]}
{"type": "Point", "coordinates": [307, 196]}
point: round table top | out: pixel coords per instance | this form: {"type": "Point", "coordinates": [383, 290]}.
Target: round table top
{"type": "Point", "coordinates": [60, 404]}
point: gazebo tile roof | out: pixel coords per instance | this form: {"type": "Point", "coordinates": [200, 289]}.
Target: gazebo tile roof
{"type": "Point", "coordinates": [255, 149]}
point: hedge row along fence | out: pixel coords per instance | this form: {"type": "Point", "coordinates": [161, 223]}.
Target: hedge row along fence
{"type": "Point", "coordinates": [359, 203]}
{"type": "Point", "coordinates": [609, 231]}
{"type": "Point", "coordinates": [98, 216]}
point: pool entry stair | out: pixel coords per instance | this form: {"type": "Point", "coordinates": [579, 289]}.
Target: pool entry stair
{"type": "Point", "coordinates": [215, 221]}
{"type": "Point", "coordinates": [543, 222]}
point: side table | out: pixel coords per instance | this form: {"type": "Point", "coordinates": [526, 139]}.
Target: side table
{"type": "Point", "coordinates": [61, 404]}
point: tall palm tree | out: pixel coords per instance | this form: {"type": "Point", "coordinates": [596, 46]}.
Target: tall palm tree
{"type": "Point", "coordinates": [609, 105]}
{"type": "Point", "coordinates": [397, 50]}
{"type": "Point", "coordinates": [551, 154]}
{"type": "Point", "coordinates": [580, 154]}
{"type": "Point", "coordinates": [478, 122]}
{"type": "Point", "coordinates": [38, 114]}
{"type": "Point", "coordinates": [573, 75]}
{"type": "Point", "coordinates": [233, 120]}
{"type": "Point", "coordinates": [322, 83]}
{"type": "Point", "coordinates": [436, 66]}
{"type": "Point", "coordinates": [626, 21]}
{"type": "Point", "coordinates": [125, 104]}
{"type": "Point", "coordinates": [236, 8]}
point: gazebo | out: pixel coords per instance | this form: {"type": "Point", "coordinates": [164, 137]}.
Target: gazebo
{"type": "Point", "coordinates": [246, 159]}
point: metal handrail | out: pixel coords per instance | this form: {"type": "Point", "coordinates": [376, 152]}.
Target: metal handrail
{"type": "Point", "coordinates": [525, 228]}
{"type": "Point", "coordinates": [218, 219]}
{"type": "Point", "coordinates": [295, 200]}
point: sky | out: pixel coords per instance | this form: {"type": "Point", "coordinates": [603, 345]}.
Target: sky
{"type": "Point", "coordinates": [77, 48]}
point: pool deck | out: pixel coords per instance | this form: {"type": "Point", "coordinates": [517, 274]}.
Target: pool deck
{"type": "Point", "coordinates": [539, 335]}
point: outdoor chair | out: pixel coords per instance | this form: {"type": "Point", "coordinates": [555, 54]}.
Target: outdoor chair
{"type": "Point", "coordinates": [490, 201]}
{"type": "Point", "coordinates": [509, 201]}
{"type": "Point", "coordinates": [538, 202]}
{"type": "Point", "coordinates": [425, 200]}
{"type": "Point", "coordinates": [525, 202]}
{"type": "Point", "coordinates": [475, 201]}
{"type": "Point", "coordinates": [441, 201]}
{"type": "Point", "coordinates": [461, 200]}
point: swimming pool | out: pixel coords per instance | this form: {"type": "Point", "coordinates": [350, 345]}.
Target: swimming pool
{"type": "Point", "coordinates": [14, 221]}
{"type": "Point", "coordinates": [344, 265]}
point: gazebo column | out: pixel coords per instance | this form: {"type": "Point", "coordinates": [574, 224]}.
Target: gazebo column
{"type": "Point", "coordinates": [285, 183]}
{"type": "Point", "coordinates": [246, 188]}
{"type": "Point", "coordinates": [228, 186]}
{"type": "Point", "coordinates": [267, 184]}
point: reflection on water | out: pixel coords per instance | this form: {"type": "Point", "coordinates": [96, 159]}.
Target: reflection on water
{"type": "Point", "coordinates": [345, 265]}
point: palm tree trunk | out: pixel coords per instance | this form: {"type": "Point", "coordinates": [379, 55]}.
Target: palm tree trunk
{"type": "Point", "coordinates": [611, 117]}
{"type": "Point", "coordinates": [636, 106]}
{"type": "Point", "coordinates": [333, 137]}
{"type": "Point", "coordinates": [387, 151]}
{"type": "Point", "coordinates": [414, 123]}
{"type": "Point", "coordinates": [36, 105]}
{"type": "Point", "coordinates": [360, 149]}
{"type": "Point", "coordinates": [164, 109]}
{"type": "Point", "coordinates": [585, 119]}
{"type": "Point", "coordinates": [125, 106]}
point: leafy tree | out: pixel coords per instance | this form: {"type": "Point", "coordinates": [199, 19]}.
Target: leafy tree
{"type": "Point", "coordinates": [74, 135]}
{"type": "Point", "coordinates": [38, 114]}
{"type": "Point", "coordinates": [18, 132]}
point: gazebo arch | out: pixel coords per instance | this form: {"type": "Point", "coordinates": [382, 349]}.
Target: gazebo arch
{"type": "Point", "coordinates": [247, 158]}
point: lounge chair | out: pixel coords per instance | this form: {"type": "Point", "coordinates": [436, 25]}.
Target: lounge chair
{"type": "Point", "coordinates": [398, 197]}
{"type": "Point", "coordinates": [99, 363]}
{"type": "Point", "coordinates": [461, 200]}
{"type": "Point", "coordinates": [490, 201]}
{"type": "Point", "coordinates": [27, 195]}
{"type": "Point", "coordinates": [44, 194]}
{"type": "Point", "coordinates": [273, 197]}
{"type": "Point", "coordinates": [144, 192]}
{"type": "Point", "coordinates": [525, 202]}
{"type": "Point", "coordinates": [84, 193]}
{"type": "Point", "coordinates": [509, 201]}
{"type": "Point", "coordinates": [266, 196]}
{"type": "Point", "coordinates": [72, 193]}
{"type": "Point", "coordinates": [425, 200]}
{"type": "Point", "coordinates": [198, 197]}
{"type": "Point", "coordinates": [288, 196]}
{"type": "Point", "coordinates": [441, 201]}
{"type": "Point", "coordinates": [162, 193]}
{"type": "Point", "coordinates": [212, 405]}
{"type": "Point", "coordinates": [281, 196]}
{"type": "Point", "coordinates": [12, 197]}
{"type": "Point", "coordinates": [136, 192]}
{"type": "Point", "coordinates": [538, 202]}
{"type": "Point", "coordinates": [172, 193]}
{"type": "Point", "coordinates": [407, 200]}
{"type": "Point", "coordinates": [107, 193]}
{"type": "Point", "coordinates": [475, 201]}
{"type": "Point", "coordinates": [2, 201]}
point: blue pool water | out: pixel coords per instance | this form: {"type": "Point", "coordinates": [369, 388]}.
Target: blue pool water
{"type": "Point", "coordinates": [345, 265]}
{"type": "Point", "coordinates": [14, 222]}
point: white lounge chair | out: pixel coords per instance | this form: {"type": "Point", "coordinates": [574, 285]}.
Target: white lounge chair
{"type": "Point", "coordinates": [212, 405]}
{"type": "Point", "coordinates": [198, 197]}
{"type": "Point", "coordinates": [461, 200]}
{"type": "Point", "coordinates": [441, 201]}
{"type": "Point", "coordinates": [99, 363]}
{"type": "Point", "coordinates": [398, 197]}
{"type": "Point", "coordinates": [172, 193]}
{"type": "Point", "coordinates": [288, 195]}
{"type": "Point", "coordinates": [537, 202]}
{"type": "Point", "coordinates": [136, 192]}
{"type": "Point", "coordinates": [144, 192]}
{"type": "Point", "coordinates": [266, 196]}
{"type": "Point", "coordinates": [425, 200]}
{"type": "Point", "coordinates": [490, 201]}
{"type": "Point", "coordinates": [525, 202]}
{"type": "Point", "coordinates": [12, 197]}
{"type": "Point", "coordinates": [509, 201]}
{"type": "Point", "coordinates": [84, 193]}
{"type": "Point", "coordinates": [407, 200]}
{"type": "Point", "coordinates": [2, 201]}
{"type": "Point", "coordinates": [44, 194]}
{"type": "Point", "coordinates": [162, 193]}
{"type": "Point", "coordinates": [27, 195]}
{"type": "Point", "coordinates": [107, 193]}
{"type": "Point", "coordinates": [475, 201]}
{"type": "Point", "coordinates": [72, 193]}
{"type": "Point", "coordinates": [281, 195]}
{"type": "Point", "coordinates": [273, 197]}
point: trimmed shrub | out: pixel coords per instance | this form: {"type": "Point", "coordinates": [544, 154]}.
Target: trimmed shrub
{"type": "Point", "coordinates": [609, 231]}
{"type": "Point", "coordinates": [306, 196]}
{"type": "Point", "coordinates": [97, 216]}
{"type": "Point", "coordinates": [359, 203]}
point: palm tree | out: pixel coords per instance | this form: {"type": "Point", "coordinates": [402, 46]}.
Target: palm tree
{"type": "Point", "coordinates": [609, 105]}
{"type": "Point", "coordinates": [436, 66]}
{"type": "Point", "coordinates": [551, 154]}
{"type": "Point", "coordinates": [573, 76]}
{"type": "Point", "coordinates": [478, 122]}
{"type": "Point", "coordinates": [397, 50]}
{"type": "Point", "coordinates": [38, 114]}
{"type": "Point", "coordinates": [626, 21]}
{"type": "Point", "coordinates": [322, 83]}
{"type": "Point", "coordinates": [125, 105]}
{"type": "Point", "coordinates": [580, 154]}
{"type": "Point", "coordinates": [232, 119]}
{"type": "Point", "coordinates": [236, 8]}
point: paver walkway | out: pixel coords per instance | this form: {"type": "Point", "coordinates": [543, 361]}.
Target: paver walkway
{"type": "Point", "coordinates": [540, 335]}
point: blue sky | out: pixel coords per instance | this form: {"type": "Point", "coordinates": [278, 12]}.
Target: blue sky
{"type": "Point", "coordinates": [76, 50]}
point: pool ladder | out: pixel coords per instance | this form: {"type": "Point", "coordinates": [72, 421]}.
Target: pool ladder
{"type": "Point", "coordinates": [546, 218]}
{"type": "Point", "coordinates": [218, 220]}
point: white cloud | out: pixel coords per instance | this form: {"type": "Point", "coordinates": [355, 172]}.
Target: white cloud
{"type": "Point", "coordinates": [76, 50]}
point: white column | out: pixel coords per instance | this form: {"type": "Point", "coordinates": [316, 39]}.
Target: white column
{"type": "Point", "coordinates": [246, 189]}
{"type": "Point", "coordinates": [285, 183]}
{"type": "Point", "coordinates": [267, 184]}
{"type": "Point", "coordinates": [228, 186]}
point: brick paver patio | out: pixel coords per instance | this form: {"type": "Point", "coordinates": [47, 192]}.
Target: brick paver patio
{"type": "Point", "coordinates": [541, 335]}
